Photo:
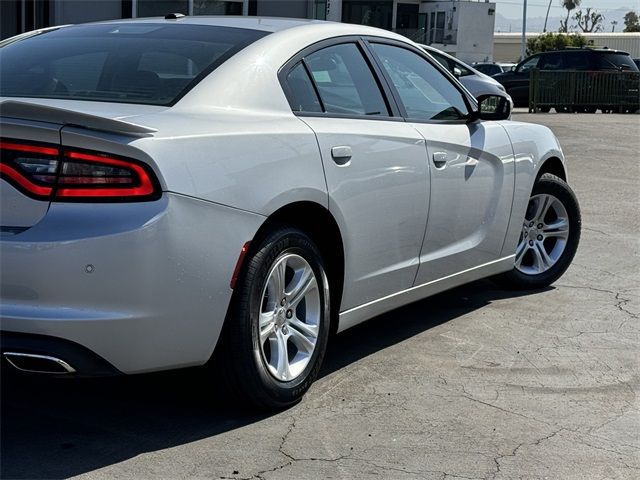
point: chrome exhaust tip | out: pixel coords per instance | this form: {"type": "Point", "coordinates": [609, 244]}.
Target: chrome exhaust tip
{"type": "Point", "coordinates": [33, 363]}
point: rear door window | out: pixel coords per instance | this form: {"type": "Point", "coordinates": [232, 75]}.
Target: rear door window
{"type": "Point", "coordinates": [345, 82]}
{"type": "Point", "coordinates": [551, 61]}
{"type": "Point", "coordinates": [578, 61]}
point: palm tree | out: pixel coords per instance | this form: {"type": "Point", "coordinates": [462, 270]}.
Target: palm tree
{"type": "Point", "coordinates": [569, 5]}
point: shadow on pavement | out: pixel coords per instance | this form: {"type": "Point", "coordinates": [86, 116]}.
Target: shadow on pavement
{"type": "Point", "coordinates": [58, 429]}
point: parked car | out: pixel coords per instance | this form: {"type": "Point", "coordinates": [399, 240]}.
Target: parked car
{"type": "Point", "coordinates": [516, 82]}
{"type": "Point", "coordinates": [637, 62]}
{"type": "Point", "coordinates": [177, 187]}
{"type": "Point", "coordinates": [476, 82]}
{"type": "Point", "coordinates": [491, 68]}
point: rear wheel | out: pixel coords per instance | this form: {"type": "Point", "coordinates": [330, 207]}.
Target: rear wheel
{"type": "Point", "coordinates": [549, 237]}
{"type": "Point", "coordinates": [276, 333]}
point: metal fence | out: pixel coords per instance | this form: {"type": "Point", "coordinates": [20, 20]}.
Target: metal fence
{"type": "Point", "coordinates": [584, 91]}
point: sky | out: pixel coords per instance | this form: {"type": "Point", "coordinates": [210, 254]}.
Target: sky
{"type": "Point", "coordinates": [538, 8]}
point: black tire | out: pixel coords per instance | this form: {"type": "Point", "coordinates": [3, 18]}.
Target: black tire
{"type": "Point", "coordinates": [240, 356]}
{"type": "Point", "coordinates": [550, 185]}
{"type": "Point", "coordinates": [545, 109]}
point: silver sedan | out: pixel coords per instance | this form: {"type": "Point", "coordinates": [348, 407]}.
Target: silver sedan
{"type": "Point", "coordinates": [478, 83]}
{"type": "Point", "coordinates": [230, 191]}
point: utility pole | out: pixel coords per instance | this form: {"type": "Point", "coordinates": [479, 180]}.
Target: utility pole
{"type": "Point", "coordinates": [523, 52]}
{"type": "Point", "coordinates": [546, 19]}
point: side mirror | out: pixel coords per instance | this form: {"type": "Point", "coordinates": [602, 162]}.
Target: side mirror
{"type": "Point", "coordinates": [457, 72]}
{"type": "Point", "coordinates": [493, 107]}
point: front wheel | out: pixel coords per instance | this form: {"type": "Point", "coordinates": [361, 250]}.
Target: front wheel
{"type": "Point", "coordinates": [549, 237]}
{"type": "Point", "coordinates": [277, 330]}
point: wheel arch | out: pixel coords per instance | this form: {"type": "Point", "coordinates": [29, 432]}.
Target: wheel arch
{"type": "Point", "coordinates": [319, 224]}
{"type": "Point", "coordinates": [554, 166]}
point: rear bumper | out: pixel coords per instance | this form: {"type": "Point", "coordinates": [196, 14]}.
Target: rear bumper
{"type": "Point", "coordinates": [142, 286]}
{"type": "Point", "coordinates": [81, 360]}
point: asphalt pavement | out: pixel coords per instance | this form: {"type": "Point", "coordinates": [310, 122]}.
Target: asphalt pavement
{"type": "Point", "coordinates": [477, 382]}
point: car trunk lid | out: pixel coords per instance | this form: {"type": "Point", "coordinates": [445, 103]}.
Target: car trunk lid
{"type": "Point", "coordinates": [31, 144]}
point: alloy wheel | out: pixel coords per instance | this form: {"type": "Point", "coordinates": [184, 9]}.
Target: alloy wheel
{"type": "Point", "coordinates": [289, 317]}
{"type": "Point", "coordinates": [544, 235]}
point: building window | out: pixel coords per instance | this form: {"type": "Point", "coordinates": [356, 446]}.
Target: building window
{"type": "Point", "coordinates": [368, 12]}
{"type": "Point", "coordinates": [217, 7]}
{"type": "Point", "coordinates": [439, 30]}
{"type": "Point", "coordinates": [320, 9]}
{"type": "Point", "coordinates": [407, 17]}
{"type": "Point", "coordinates": [159, 8]}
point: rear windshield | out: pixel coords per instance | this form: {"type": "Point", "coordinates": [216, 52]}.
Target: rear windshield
{"type": "Point", "coordinates": [616, 60]}
{"type": "Point", "coordinates": [147, 63]}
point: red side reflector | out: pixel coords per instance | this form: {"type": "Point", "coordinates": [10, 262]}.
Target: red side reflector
{"type": "Point", "coordinates": [236, 271]}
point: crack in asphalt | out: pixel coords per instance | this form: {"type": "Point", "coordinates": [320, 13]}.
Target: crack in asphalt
{"type": "Point", "coordinates": [596, 231]}
{"type": "Point", "coordinates": [260, 475]}
{"type": "Point", "coordinates": [514, 452]}
{"type": "Point", "coordinates": [291, 459]}
{"type": "Point", "coordinates": [620, 304]}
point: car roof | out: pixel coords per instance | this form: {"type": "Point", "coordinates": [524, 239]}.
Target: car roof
{"type": "Point", "coordinates": [590, 50]}
{"type": "Point", "coordinates": [273, 25]}
{"type": "Point", "coordinates": [266, 24]}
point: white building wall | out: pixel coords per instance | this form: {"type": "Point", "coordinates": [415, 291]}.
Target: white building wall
{"type": "Point", "coordinates": [476, 23]}
{"type": "Point", "coordinates": [471, 25]}
{"type": "Point", "coordinates": [334, 10]}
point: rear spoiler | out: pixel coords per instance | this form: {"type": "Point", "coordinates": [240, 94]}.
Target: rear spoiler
{"type": "Point", "coordinates": [43, 113]}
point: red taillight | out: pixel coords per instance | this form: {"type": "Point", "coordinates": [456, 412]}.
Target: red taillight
{"type": "Point", "coordinates": [48, 173]}
{"type": "Point", "coordinates": [30, 168]}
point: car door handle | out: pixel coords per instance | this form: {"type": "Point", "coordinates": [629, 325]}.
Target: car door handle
{"type": "Point", "coordinates": [341, 155]}
{"type": "Point", "coordinates": [440, 159]}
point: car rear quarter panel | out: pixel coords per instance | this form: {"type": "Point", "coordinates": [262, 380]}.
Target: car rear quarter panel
{"type": "Point", "coordinates": [144, 285]}
{"type": "Point", "coordinates": [533, 145]}
{"type": "Point", "coordinates": [248, 160]}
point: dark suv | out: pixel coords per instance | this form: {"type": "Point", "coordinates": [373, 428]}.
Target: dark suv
{"type": "Point", "coordinates": [516, 82]}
